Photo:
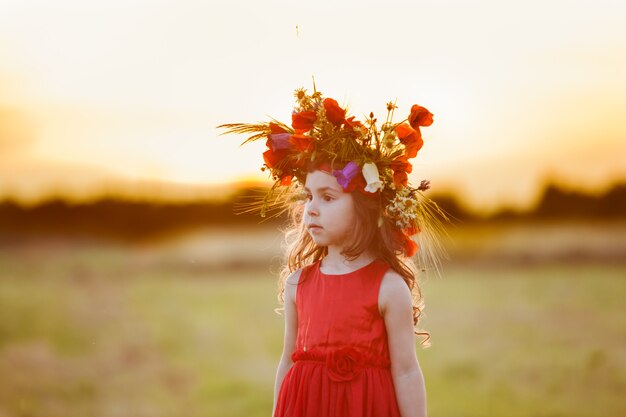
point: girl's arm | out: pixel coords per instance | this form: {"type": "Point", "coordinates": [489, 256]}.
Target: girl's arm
{"type": "Point", "coordinates": [397, 306]}
{"type": "Point", "coordinates": [291, 329]}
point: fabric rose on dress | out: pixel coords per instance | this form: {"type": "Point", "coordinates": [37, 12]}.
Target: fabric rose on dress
{"type": "Point", "coordinates": [335, 114]}
{"type": "Point", "coordinates": [420, 116]}
{"type": "Point", "coordinates": [370, 173]}
{"type": "Point", "coordinates": [344, 364]}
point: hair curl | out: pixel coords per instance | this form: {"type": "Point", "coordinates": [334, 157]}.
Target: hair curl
{"type": "Point", "coordinates": [385, 242]}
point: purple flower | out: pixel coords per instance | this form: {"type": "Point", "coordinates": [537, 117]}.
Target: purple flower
{"type": "Point", "coordinates": [279, 141]}
{"type": "Point", "coordinates": [345, 175]}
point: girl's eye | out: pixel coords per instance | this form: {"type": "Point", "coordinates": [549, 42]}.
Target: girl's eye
{"type": "Point", "coordinates": [327, 198]}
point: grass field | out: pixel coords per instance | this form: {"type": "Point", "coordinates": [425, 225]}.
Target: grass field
{"type": "Point", "coordinates": [94, 330]}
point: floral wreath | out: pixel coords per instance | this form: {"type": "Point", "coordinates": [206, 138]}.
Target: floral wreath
{"type": "Point", "coordinates": [361, 156]}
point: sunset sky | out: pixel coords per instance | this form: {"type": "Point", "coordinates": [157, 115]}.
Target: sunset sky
{"type": "Point", "coordinates": [127, 94]}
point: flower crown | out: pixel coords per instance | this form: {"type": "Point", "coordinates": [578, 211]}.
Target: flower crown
{"type": "Point", "coordinates": [361, 156]}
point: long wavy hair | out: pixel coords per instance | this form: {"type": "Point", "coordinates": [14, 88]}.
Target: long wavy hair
{"type": "Point", "coordinates": [384, 242]}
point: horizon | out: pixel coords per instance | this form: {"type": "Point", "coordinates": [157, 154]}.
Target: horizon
{"type": "Point", "coordinates": [151, 192]}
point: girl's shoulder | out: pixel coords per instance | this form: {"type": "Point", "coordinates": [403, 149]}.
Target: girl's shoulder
{"type": "Point", "coordinates": [291, 284]}
{"type": "Point", "coordinates": [294, 277]}
{"type": "Point", "coordinates": [393, 289]}
{"type": "Point", "coordinates": [293, 280]}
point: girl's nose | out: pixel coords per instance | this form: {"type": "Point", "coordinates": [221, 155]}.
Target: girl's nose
{"type": "Point", "coordinates": [311, 210]}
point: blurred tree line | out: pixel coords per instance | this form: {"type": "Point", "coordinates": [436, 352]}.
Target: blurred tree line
{"type": "Point", "coordinates": [119, 219]}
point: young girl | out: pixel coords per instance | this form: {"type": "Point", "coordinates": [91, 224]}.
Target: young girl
{"type": "Point", "coordinates": [347, 285]}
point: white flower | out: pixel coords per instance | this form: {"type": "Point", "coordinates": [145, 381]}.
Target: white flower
{"type": "Point", "coordinates": [370, 173]}
{"type": "Point", "coordinates": [389, 139]}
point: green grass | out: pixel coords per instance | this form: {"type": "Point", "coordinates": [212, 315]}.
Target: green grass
{"type": "Point", "coordinates": [537, 341]}
{"type": "Point", "coordinates": [97, 332]}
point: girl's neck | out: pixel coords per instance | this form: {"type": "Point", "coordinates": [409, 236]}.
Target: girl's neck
{"type": "Point", "coordinates": [335, 263]}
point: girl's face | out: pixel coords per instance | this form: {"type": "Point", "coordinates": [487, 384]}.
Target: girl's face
{"type": "Point", "coordinates": [329, 213]}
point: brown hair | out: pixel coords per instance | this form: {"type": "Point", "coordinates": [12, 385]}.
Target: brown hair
{"type": "Point", "coordinates": [385, 242]}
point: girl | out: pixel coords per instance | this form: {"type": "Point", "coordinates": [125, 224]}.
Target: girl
{"type": "Point", "coordinates": [346, 286]}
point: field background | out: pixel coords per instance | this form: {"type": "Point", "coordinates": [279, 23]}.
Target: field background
{"type": "Point", "coordinates": [526, 320]}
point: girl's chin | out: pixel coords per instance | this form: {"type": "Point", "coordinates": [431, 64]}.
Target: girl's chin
{"type": "Point", "coordinates": [319, 241]}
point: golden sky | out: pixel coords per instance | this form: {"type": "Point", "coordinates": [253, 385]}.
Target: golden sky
{"type": "Point", "coordinates": [128, 94]}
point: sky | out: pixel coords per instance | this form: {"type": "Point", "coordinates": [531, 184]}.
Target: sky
{"type": "Point", "coordinates": [125, 96]}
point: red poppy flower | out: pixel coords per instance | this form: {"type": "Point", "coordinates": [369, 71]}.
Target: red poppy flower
{"type": "Point", "coordinates": [420, 116]}
{"type": "Point", "coordinates": [411, 138]}
{"type": "Point", "coordinates": [401, 163]}
{"type": "Point", "coordinates": [344, 364]}
{"type": "Point", "coordinates": [413, 230]}
{"type": "Point", "coordinates": [404, 242]}
{"type": "Point", "coordinates": [302, 142]}
{"type": "Point", "coordinates": [410, 247]}
{"type": "Point", "coordinates": [357, 183]}
{"type": "Point", "coordinates": [401, 166]}
{"type": "Point", "coordinates": [400, 178]}
{"type": "Point", "coordinates": [303, 121]}
{"type": "Point", "coordinates": [275, 128]}
{"type": "Point", "coordinates": [286, 180]}
{"type": "Point", "coordinates": [272, 158]}
{"type": "Point", "coordinates": [355, 124]}
{"type": "Point", "coordinates": [411, 148]}
{"type": "Point", "coordinates": [335, 114]}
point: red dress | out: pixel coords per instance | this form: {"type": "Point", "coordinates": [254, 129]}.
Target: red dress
{"type": "Point", "coordinates": [341, 360]}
